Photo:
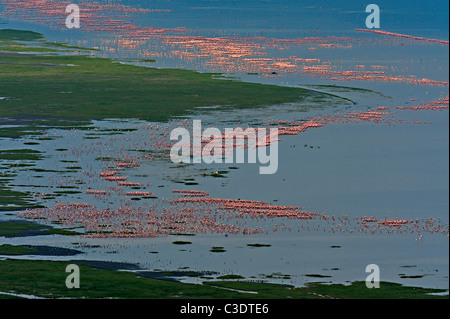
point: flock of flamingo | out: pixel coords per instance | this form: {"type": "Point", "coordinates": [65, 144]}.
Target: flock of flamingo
{"type": "Point", "coordinates": [393, 34]}
{"type": "Point", "coordinates": [194, 211]}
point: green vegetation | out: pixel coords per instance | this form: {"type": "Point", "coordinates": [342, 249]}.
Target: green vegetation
{"type": "Point", "coordinates": [44, 170]}
{"type": "Point", "coordinates": [21, 229]}
{"type": "Point", "coordinates": [67, 192]}
{"type": "Point", "coordinates": [356, 290]}
{"type": "Point", "coordinates": [11, 200]}
{"type": "Point", "coordinates": [217, 249]}
{"type": "Point", "coordinates": [83, 87]}
{"type": "Point", "coordinates": [181, 242]}
{"type": "Point", "coordinates": [16, 229]}
{"type": "Point", "coordinates": [36, 127]}
{"type": "Point", "coordinates": [49, 277]}
{"type": "Point", "coordinates": [63, 231]}
{"type": "Point", "coordinates": [7, 249]}
{"type": "Point", "coordinates": [19, 35]}
{"type": "Point", "coordinates": [387, 290]}
{"type": "Point", "coordinates": [181, 273]}
{"type": "Point", "coordinates": [16, 40]}
{"type": "Point", "coordinates": [21, 154]}
{"type": "Point", "coordinates": [277, 275]}
{"type": "Point", "coordinates": [19, 131]}
{"type": "Point", "coordinates": [317, 276]}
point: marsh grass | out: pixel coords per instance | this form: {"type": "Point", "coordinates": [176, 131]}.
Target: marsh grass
{"type": "Point", "coordinates": [101, 88]}
{"type": "Point", "coordinates": [47, 279]}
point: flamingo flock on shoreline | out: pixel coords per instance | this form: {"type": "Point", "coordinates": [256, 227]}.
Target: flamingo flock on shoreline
{"type": "Point", "coordinates": [201, 214]}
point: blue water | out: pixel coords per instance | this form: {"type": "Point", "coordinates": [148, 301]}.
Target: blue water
{"type": "Point", "coordinates": [291, 17]}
